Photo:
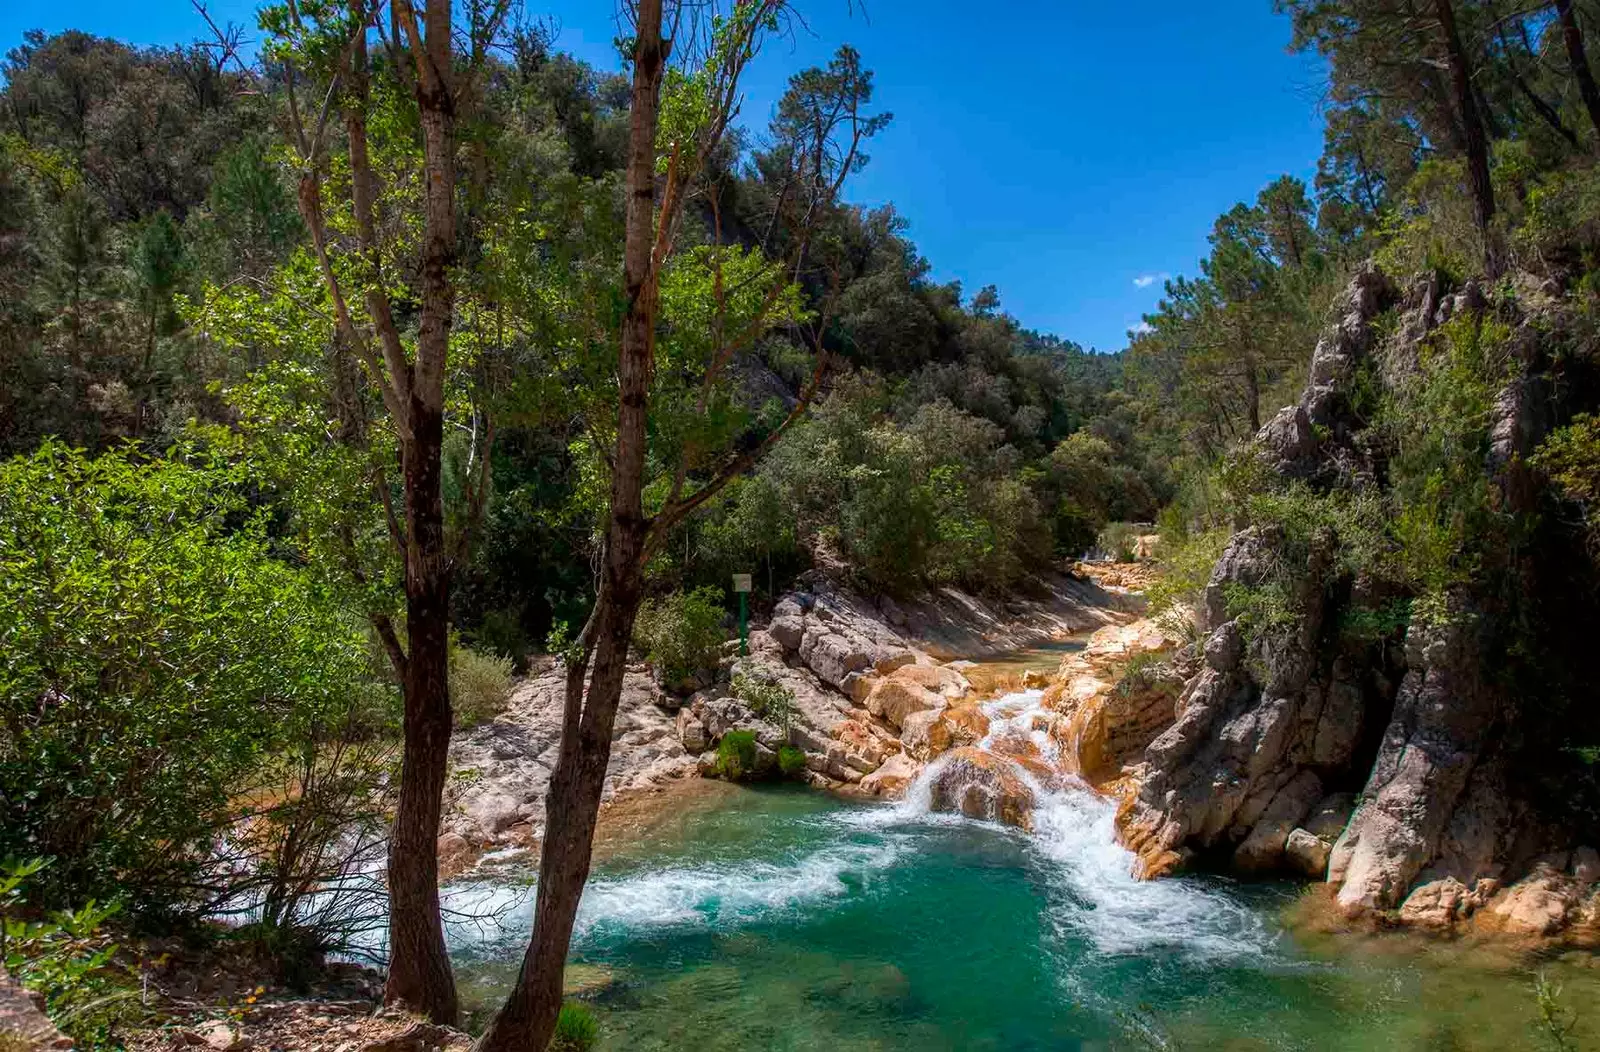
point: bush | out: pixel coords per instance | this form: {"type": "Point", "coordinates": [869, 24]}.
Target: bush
{"type": "Point", "coordinates": [1118, 540]}
{"type": "Point", "coordinates": [681, 633]}
{"type": "Point", "coordinates": [65, 959]}
{"type": "Point", "coordinates": [577, 1030]}
{"type": "Point", "coordinates": [767, 698]}
{"type": "Point", "coordinates": [791, 761]}
{"type": "Point", "coordinates": [479, 684]}
{"type": "Point", "coordinates": [156, 658]}
{"type": "Point", "coordinates": [736, 755]}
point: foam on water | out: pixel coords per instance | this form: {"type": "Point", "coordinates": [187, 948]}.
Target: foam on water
{"type": "Point", "coordinates": [489, 914]}
{"type": "Point", "coordinates": [1094, 895]}
{"type": "Point", "coordinates": [1091, 895]}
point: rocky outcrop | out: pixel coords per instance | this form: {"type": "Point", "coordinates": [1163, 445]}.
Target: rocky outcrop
{"type": "Point", "coordinates": [500, 770]}
{"type": "Point", "coordinates": [1379, 760]}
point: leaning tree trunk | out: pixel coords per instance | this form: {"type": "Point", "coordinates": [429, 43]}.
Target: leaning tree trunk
{"type": "Point", "coordinates": [573, 803]}
{"type": "Point", "coordinates": [1474, 140]}
{"type": "Point", "coordinates": [1572, 35]}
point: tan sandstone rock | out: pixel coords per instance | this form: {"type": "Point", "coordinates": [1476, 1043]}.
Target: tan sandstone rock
{"type": "Point", "coordinates": [893, 778]}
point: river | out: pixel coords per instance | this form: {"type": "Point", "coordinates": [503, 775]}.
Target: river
{"type": "Point", "coordinates": [781, 918]}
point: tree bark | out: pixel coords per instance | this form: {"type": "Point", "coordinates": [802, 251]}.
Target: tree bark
{"type": "Point", "coordinates": [573, 803]}
{"type": "Point", "coordinates": [1577, 57]}
{"type": "Point", "coordinates": [419, 966]}
{"type": "Point", "coordinates": [1474, 141]}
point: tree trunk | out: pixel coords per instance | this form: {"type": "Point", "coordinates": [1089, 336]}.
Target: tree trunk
{"type": "Point", "coordinates": [419, 966]}
{"type": "Point", "coordinates": [1474, 141]}
{"type": "Point", "coordinates": [1579, 60]}
{"type": "Point", "coordinates": [529, 1015]}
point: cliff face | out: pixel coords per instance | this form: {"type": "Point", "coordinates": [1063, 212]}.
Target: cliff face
{"type": "Point", "coordinates": [1397, 759]}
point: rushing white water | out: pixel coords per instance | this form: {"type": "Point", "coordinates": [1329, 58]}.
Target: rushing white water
{"type": "Point", "coordinates": [1094, 896]}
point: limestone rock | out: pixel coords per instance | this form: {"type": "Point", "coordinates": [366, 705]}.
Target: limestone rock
{"type": "Point", "coordinates": [692, 732]}
{"type": "Point", "coordinates": [893, 777]}
{"type": "Point", "coordinates": [897, 697]}
{"type": "Point", "coordinates": [981, 785]}
{"type": "Point", "coordinates": [24, 1022]}
{"type": "Point", "coordinates": [925, 734]}
{"type": "Point", "coordinates": [788, 631]}
{"type": "Point", "coordinates": [1540, 904]}
{"type": "Point", "coordinates": [1263, 849]}
{"type": "Point", "coordinates": [833, 656]}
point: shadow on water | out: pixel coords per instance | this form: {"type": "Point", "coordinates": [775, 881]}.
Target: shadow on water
{"type": "Point", "coordinates": [779, 918]}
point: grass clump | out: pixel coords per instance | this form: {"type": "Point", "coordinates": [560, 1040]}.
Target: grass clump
{"type": "Point", "coordinates": [736, 755]}
{"type": "Point", "coordinates": [577, 1030]}
{"type": "Point", "coordinates": [791, 761]}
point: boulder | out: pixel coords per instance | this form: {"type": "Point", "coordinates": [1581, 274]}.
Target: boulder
{"type": "Point", "coordinates": [925, 734]}
{"type": "Point", "coordinates": [23, 1024]}
{"type": "Point", "coordinates": [894, 658]}
{"type": "Point", "coordinates": [968, 723]}
{"type": "Point", "coordinates": [788, 631]}
{"type": "Point", "coordinates": [893, 777]}
{"type": "Point", "coordinates": [982, 785]}
{"type": "Point", "coordinates": [1263, 849]}
{"type": "Point", "coordinates": [832, 655]}
{"type": "Point", "coordinates": [897, 697]}
{"type": "Point", "coordinates": [1540, 904]}
{"type": "Point", "coordinates": [692, 732]}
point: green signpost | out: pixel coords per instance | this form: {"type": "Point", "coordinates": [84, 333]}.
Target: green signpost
{"type": "Point", "coordinates": [741, 584]}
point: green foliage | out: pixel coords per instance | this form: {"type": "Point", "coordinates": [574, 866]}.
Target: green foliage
{"type": "Point", "coordinates": [65, 958]}
{"type": "Point", "coordinates": [681, 633]}
{"type": "Point", "coordinates": [1439, 423]}
{"type": "Point", "coordinates": [479, 684]}
{"type": "Point", "coordinates": [766, 696]}
{"type": "Point", "coordinates": [736, 755]}
{"type": "Point", "coordinates": [791, 761]}
{"type": "Point", "coordinates": [1185, 569]}
{"type": "Point", "coordinates": [156, 654]}
{"type": "Point", "coordinates": [1117, 540]}
{"type": "Point", "coordinates": [1141, 672]}
{"type": "Point", "coordinates": [1570, 456]}
{"type": "Point", "coordinates": [577, 1030]}
{"type": "Point", "coordinates": [1556, 1022]}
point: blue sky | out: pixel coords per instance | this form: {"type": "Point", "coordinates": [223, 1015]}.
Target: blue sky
{"type": "Point", "coordinates": [1073, 153]}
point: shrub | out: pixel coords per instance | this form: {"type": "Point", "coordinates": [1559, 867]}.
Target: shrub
{"type": "Point", "coordinates": [791, 761]}
{"type": "Point", "coordinates": [577, 1030]}
{"type": "Point", "coordinates": [1117, 540]}
{"type": "Point", "coordinates": [479, 683]}
{"type": "Point", "coordinates": [1141, 672]}
{"type": "Point", "coordinates": [681, 633]}
{"type": "Point", "coordinates": [65, 959]}
{"type": "Point", "coordinates": [767, 698]}
{"type": "Point", "coordinates": [156, 658]}
{"type": "Point", "coordinates": [736, 755]}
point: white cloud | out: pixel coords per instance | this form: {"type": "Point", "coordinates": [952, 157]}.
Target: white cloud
{"type": "Point", "coordinates": [1142, 328]}
{"type": "Point", "coordinates": [1144, 281]}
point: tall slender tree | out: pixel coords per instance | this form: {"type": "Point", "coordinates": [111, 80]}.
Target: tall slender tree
{"type": "Point", "coordinates": [327, 67]}
{"type": "Point", "coordinates": [672, 156]}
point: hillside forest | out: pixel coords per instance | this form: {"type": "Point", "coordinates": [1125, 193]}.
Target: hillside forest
{"type": "Point", "coordinates": [343, 378]}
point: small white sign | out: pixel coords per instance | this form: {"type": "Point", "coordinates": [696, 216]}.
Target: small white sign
{"type": "Point", "coordinates": [741, 582]}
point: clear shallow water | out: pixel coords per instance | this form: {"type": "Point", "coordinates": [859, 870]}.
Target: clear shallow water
{"type": "Point", "coordinates": [784, 919]}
